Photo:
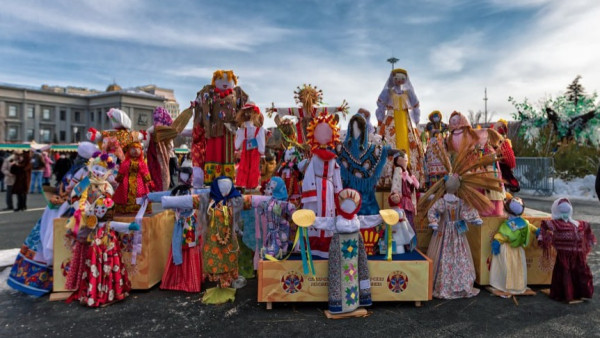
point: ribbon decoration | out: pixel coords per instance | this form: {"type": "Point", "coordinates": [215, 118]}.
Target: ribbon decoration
{"type": "Point", "coordinates": [388, 236]}
{"type": "Point", "coordinates": [307, 261]}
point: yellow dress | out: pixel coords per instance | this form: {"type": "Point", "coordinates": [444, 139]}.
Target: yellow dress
{"type": "Point", "coordinates": [399, 133]}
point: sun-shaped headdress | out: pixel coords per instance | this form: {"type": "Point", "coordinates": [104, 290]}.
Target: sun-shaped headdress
{"type": "Point", "coordinates": [308, 96]}
{"type": "Point", "coordinates": [323, 132]}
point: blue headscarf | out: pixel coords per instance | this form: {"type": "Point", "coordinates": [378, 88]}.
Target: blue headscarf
{"type": "Point", "coordinates": [215, 192]}
{"type": "Point", "coordinates": [280, 191]}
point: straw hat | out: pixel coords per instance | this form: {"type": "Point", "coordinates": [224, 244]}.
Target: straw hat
{"type": "Point", "coordinates": [304, 218]}
{"type": "Point", "coordinates": [390, 217]}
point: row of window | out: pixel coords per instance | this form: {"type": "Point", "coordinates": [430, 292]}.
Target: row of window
{"type": "Point", "coordinates": [13, 112]}
{"type": "Point", "coordinates": [46, 135]}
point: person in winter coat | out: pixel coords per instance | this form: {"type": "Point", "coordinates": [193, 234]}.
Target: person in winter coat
{"type": "Point", "coordinates": [47, 173]}
{"type": "Point", "coordinates": [22, 171]}
{"type": "Point", "coordinates": [2, 156]}
{"type": "Point", "coordinates": [37, 171]}
{"type": "Point", "coordinates": [62, 166]}
{"type": "Point", "coordinates": [9, 180]}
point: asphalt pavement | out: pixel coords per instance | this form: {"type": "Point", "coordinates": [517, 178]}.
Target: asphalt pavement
{"type": "Point", "coordinates": [157, 313]}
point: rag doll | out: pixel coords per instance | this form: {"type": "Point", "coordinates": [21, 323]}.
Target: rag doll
{"type": "Point", "coordinates": [572, 278]}
{"type": "Point", "coordinates": [404, 188]}
{"type": "Point", "coordinates": [449, 205]}
{"type": "Point", "coordinates": [134, 181]}
{"type": "Point", "coordinates": [508, 272]}
{"type": "Point", "coordinates": [361, 163]}
{"type": "Point", "coordinates": [250, 139]}
{"type": "Point", "coordinates": [322, 179]}
{"type": "Point", "coordinates": [158, 153]}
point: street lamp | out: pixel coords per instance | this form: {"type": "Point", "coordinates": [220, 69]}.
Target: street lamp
{"type": "Point", "coordinates": [75, 129]}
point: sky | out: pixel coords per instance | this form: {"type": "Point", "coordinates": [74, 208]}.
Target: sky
{"type": "Point", "coordinates": [452, 49]}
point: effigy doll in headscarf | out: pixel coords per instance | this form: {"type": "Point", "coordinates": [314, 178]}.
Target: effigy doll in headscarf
{"type": "Point", "coordinates": [349, 279]}
{"type": "Point", "coordinates": [272, 213]}
{"type": "Point", "coordinates": [361, 163]}
{"type": "Point", "coordinates": [218, 215]}
{"type": "Point", "coordinates": [396, 100]}
{"type": "Point", "coordinates": [508, 272]}
{"type": "Point", "coordinates": [572, 239]}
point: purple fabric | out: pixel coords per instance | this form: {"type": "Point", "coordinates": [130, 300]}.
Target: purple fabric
{"type": "Point", "coordinates": [162, 117]}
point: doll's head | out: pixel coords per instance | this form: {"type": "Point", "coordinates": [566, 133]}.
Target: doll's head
{"type": "Point", "coordinates": [249, 112]}
{"type": "Point", "coordinates": [435, 116]}
{"type": "Point", "coordinates": [276, 188]}
{"type": "Point", "coordinates": [452, 183]}
{"type": "Point", "coordinates": [119, 119]}
{"type": "Point", "coordinates": [134, 151]}
{"type": "Point", "coordinates": [100, 209]}
{"type": "Point", "coordinates": [514, 206]}
{"type": "Point", "coordinates": [100, 166]}
{"type": "Point", "coordinates": [563, 209]}
{"type": "Point", "coordinates": [501, 127]}
{"type": "Point", "coordinates": [224, 79]}
{"type": "Point", "coordinates": [399, 76]}
{"type": "Point", "coordinates": [308, 96]}
{"type": "Point", "coordinates": [401, 159]}
{"type": "Point", "coordinates": [186, 176]}
{"type": "Point", "coordinates": [357, 128]}
{"type": "Point", "coordinates": [323, 131]}
{"type": "Point", "coordinates": [348, 203]}
{"type": "Point", "coordinates": [161, 117]}
{"type": "Point", "coordinates": [457, 121]}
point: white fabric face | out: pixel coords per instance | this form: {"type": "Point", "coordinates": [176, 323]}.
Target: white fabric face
{"type": "Point", "coordinates": [562, 209]}
{"type": "Point", "coordinates": [98, 170]}
{"type": "Point", "coordinates": [224, 83]}
{"type": "Point", "coordinates": [100, 210]}
{"type": "Point", "coordinates": [225, 187]}
{"type": "Point", "coordinates": [348, 206]}
{"type": "Point", "coordinates": [436, 118]}
{"type": "Point", "coordinates": [184, 177]}
{"type": "Point", "coordinates": [269, 188]}
{"type": "Point", "coordinates": [356, 130]}
{"type": "Point", "coordinates": [323, 133]}
{"type": "Point", "coordinates": [516, 208]}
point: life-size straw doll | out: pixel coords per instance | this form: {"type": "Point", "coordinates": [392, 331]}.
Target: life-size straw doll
{"type": "Point", "coordinates": [361, 163]}
{"type": "Point", "coordinates": [273, 213]}
{"type": "Point", "coordinates": [120, 136]}
{"type": "Point", "coordinates": [322, 180]}
{"type": "Point", "coordinates": [481, 142]}
{"type": "Point", "coordinates": [395, 123]}
{"type": "Point", "coordinates": [158, 152]}
{"type": "Point", "coordinates": [508, 272]}
{"type": "Point", "coordinates": [572, 278]}
{"type": "Point", "coordinates": [349, 279]}
{"type": "Point", "coordinates": [217, 105]}
{"type": "Point", "coordinates": [250, 139]}
{"type": "Point", "coordinates": [219, 214]}
{"type": "Point", "coordinates": [454, 202]}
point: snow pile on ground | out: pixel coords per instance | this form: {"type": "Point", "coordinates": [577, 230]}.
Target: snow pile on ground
{"type": "Point", "coordinates": [3, 278]}
{"type": "Point", "coordinates": [583, 188]}
{"type": "Point", "coordinates": [7, 257]}
{"type": "Point", "coordinates": [579, 188]}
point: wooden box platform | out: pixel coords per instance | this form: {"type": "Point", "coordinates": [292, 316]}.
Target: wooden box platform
{"type": "Point", "coordinates": [412, 271]}
{"type": "Point", "coordinates": [150, 264]}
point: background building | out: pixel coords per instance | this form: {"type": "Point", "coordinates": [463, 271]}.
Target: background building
{"type": "Point", "coordinates": [53, 114]}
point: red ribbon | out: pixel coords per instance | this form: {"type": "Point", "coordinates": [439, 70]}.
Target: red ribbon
{"type": "Point", "coordinates": [223, 93]}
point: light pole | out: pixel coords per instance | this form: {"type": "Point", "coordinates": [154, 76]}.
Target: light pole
{"type": "Point", "coordinates": [392, 60]}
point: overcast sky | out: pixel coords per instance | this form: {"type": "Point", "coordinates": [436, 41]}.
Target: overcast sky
{"type": "Point", "coordinates": [452, 49]}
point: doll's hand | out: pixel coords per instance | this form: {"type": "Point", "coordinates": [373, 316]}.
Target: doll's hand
{"type": "Point", "coordinates": [477, 222]}
{"type": "Point", "coordinates": [495, 247]}
{"type": "Point", "coordinates": [133, 226]}
{"type": "Point", "coordinates": [433, 226]}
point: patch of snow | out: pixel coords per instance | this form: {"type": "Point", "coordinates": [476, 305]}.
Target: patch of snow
{"type": "Point", "coordinates": [579, 188]}
{"type": "Point", "coordinates": [3, 278]}
{"type": "Point", "coordinates": [7, 257]}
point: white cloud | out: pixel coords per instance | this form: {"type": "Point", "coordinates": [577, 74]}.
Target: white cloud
{"type": "Point", "coordinates": [451, 56]}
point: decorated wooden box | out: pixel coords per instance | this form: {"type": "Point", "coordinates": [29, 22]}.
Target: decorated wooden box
{"type": "Point", "coordinates": [406, 278]}
{"type": "Point", "coordinates": [539, 271]}
{"type": "Point", "coordinates": [150, 264]}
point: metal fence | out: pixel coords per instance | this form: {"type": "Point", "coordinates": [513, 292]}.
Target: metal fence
{"type": "Point", "coordinates": [536, 173]}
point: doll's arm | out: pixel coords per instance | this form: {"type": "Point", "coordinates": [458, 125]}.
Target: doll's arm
{"type": "Point", "coordinates": [324, 223]}
{"type": "Point", "coordinates": [124, 227]}
{"type": "Point", "coordinates": [260, 139]}
{"type": "Point", "coordinates": [370, 221]}
{"type": "Point", "coordinates": [434, 214]}
{"type": "Point", "coordinates": [470, 214]}
{"type": "Point", "coordinates": [239, 138]}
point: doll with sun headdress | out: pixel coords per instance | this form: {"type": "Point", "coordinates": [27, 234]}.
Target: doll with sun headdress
{"type": "Point", "coordinates": [322, 178]}
{"type": "Point", "coordinates": [448, 206]}
{"type": "Point", "coordinates": [310, 99]}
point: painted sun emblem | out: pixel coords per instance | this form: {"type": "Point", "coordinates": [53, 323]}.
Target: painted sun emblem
{"type": "Point", "coordinates": [397, 281]}
{"type": "Point", "coordinates": [291, 282]}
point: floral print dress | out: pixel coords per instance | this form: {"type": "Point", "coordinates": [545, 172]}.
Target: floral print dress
{"type": "Point", "coordinates": [453, 268]}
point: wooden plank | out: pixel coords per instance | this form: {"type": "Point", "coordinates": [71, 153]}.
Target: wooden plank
{"type": "Point", "coordinates": [360, 312]}
{"type": "Point", "coordinates": [58, 296]}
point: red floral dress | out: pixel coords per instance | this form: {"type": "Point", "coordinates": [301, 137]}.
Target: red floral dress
{"type": "Point", "coordinates": [134, 178]}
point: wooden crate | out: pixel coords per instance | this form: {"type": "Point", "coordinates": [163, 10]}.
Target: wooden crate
{"type": "Point", "coordinates": [148, 270]}
{"type": "Point", "coordinates": [414, 268]}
